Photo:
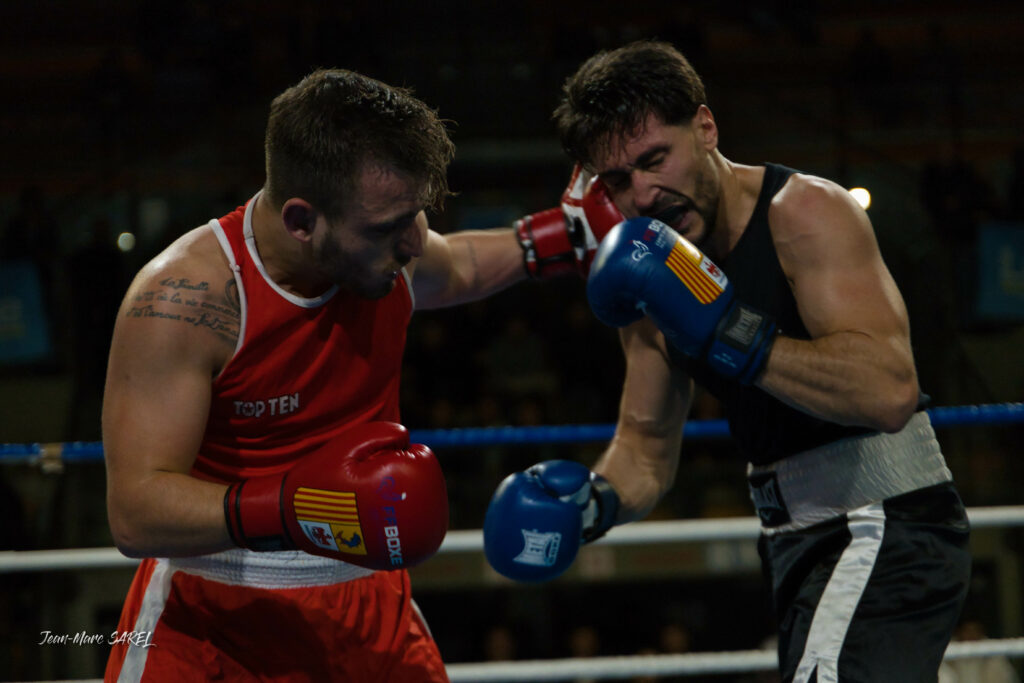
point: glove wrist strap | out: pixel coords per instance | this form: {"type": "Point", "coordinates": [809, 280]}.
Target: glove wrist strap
{"type": "Point", "coordinates": [232, 514]}
{"type": "Point", "coordinates": [545, 240]}
{"type": "Point", "coordinates": [741, 343]}
{"type": "Point", "coordinates": [252, 509]}
{"type": "Point", "coordinates": [606, 500]}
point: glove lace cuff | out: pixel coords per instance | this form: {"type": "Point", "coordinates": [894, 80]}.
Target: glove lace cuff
{"type": "Point", "coordinates": [607, 508]}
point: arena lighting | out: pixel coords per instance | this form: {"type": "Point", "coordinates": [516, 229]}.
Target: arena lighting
{"type": "Point", "coordinates": [862, 196]}
{"type": "Point", "coordinates": [126, 241]}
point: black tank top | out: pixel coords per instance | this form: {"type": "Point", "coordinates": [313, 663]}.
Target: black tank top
{"type": "Point", "coordinates": [764, 428]}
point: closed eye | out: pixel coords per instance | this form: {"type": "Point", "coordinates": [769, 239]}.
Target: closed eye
{"type": "Point", "coordinates": [396, 225]}
{"type": "Point", "coordinates": [651, 164]}
{"type": "Point", "coordinates": [651, 159]}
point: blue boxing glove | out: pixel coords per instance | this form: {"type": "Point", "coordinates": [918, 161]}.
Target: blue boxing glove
{"type": "Point", "coordinates": [645, 267]}
{"type": "Point", "coordinates": [538, 519]}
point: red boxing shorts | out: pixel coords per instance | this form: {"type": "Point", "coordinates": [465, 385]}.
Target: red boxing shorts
{"type": "Point", "coordinates": [285, 616]}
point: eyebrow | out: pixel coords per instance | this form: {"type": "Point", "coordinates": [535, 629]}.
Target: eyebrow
{"type": "Point", "coordinates": [643, 160]}
{"type": "Point", "coordinates": [396, 221]}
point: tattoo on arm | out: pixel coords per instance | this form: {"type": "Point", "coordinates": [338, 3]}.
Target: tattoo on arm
{"type": "Point", "coordinates": [179, 299]}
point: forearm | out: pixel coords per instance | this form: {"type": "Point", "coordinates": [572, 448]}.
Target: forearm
{"type": "Point", "coordinates": [168, 514]}
{"type": "Point", "coordinates": [483, 262]}
{"type": "Point", "coordinates": [847, 378]}
{"type": "Point", "coordinates": [643, 455]}
{"type": "Point", "coordinates": [641, 468]}
{"type": "Point", "coordinates": [496, 260]}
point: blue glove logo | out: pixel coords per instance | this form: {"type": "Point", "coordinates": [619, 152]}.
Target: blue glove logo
{"type": "Point", "coordinates": [540, 548]}
{"type": "Point", "coordinates": [640, 250]}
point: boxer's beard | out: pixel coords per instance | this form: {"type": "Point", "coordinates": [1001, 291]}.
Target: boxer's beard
{"type": "Point", "coordinates": [352, 273]}
{"type": "Point", "coordinates": [704, 204]}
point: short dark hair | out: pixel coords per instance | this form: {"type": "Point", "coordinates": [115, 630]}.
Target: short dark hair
{"type": "Point", "coordinates": [324, 130]}
{"type": "Point", "coordinates": [613, 92]}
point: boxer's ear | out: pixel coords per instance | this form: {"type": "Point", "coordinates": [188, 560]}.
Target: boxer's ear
{"type": "Point", "coordinates": [705, 127]}
{"type": "Point", "coordinates": [299, 218]}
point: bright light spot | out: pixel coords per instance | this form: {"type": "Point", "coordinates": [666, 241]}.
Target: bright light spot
{"type": "Point", "coordinates": [126, 241]}
{"type": "Point", "coordinates": [862, 196]}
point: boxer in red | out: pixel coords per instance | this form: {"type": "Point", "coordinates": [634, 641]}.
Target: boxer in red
{"type": "Point", "coordinates": [255, 457]}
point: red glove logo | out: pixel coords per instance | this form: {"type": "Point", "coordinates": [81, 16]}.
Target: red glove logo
{"type": "Point", "coordinates": [387, 491]}
{"type": "Point", "coordinates": [330, 519]}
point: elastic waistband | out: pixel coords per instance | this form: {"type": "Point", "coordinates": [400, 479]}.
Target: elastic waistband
{"type": "Point", "coordinates": [281, 569]}
{"type": "Point", "coordinates": [831, 480]}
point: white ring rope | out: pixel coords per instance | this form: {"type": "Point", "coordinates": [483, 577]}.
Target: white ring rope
{"type": "Point", "coordinates": [740, 661]}
{"type": "Point", "coordinates": [598, 668]}
{"type": "Point", "coordinates": [471, 540]}
{"type": "Point", "coordinates": [608, 668]}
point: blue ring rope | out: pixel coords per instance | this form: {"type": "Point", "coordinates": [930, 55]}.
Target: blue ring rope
{"type": "Point", "coordinates": [950, 416]}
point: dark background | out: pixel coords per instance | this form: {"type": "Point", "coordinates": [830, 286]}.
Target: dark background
{"type": "Point", "coordinates": [148, 118]}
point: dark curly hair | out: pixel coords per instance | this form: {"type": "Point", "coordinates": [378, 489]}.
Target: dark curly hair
{"type": "Point", "coordinates": [613, 92]}
{"type": "Point", "coordinates": [322, 131]}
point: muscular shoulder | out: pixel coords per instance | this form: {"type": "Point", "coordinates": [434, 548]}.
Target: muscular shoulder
{"type": "Point", "coordinates": [186, 297]}
{"type": "Point", "coordinates": [808, 205]}
{"type": "Point", "coordinates": [820, 232]}
{"type": "Point", "coordinates": [197, 251]}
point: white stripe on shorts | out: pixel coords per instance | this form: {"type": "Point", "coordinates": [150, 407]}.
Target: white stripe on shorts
{"type": "Point", "coordinates": [153, 602]}
{"type": "Point", "coordinates": [842, 595]}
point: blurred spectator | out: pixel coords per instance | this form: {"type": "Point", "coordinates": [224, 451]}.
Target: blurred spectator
{"type": "Point", "coordinates": [955, 195]}
{"type": "Point", "coordinates": [515, 362]}
{"type": "Point", "coordinates": [957, 200]}
{"type": "Point", "coordinates": [442, 361]}
{"type": "Point", "coordinates": [674, 638]}
{"type": "Point", "coordinates": [994, 669]}
{"type": "Point", "coordinates": [708, 484]}
{"type": "Point", "coordinates": [646, 678]}
{"type": "Point", "coordinates": [584, 642]}
{"type": "Point", "coordinates": [500, 644]}
{"type": "Point", "coordinates": [587, 361]}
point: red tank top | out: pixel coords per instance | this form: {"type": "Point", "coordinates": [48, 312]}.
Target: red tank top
{"type": "Point", "coordinates": [303, 371]}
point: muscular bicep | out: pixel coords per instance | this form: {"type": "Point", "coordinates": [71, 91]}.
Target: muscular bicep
{"type": "Point", "coordinates": [857, 368]}
{"type": "Point", "coordinates": [177, 326]}
{"type": "Point", "coordinates": [169, 336]}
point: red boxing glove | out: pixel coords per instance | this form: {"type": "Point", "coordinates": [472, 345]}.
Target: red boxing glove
{"type": "Point", "coordinates": [563, 240]}
{"type": "Point", "coordinates": [367, 497]}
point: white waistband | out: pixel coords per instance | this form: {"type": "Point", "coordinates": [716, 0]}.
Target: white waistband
{"type": "Point", "coordinates": [282, 569]}
{"type": "Point", "coordinates": [831, 480]}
